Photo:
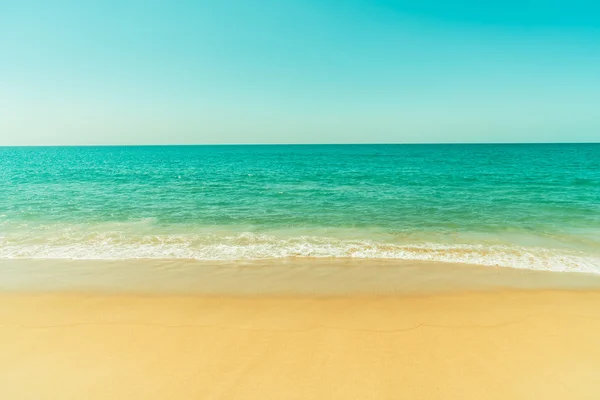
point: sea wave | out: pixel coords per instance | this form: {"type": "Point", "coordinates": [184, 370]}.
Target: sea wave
{"type": "Point", "coordinates": [251, 246]}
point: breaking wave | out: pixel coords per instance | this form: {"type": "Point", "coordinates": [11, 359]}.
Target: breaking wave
{"type": "Point", "coordinates": [251, 246]}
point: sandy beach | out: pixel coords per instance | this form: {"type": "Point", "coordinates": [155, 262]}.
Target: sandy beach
{"type": "Point", "coordinates": [504, 344]}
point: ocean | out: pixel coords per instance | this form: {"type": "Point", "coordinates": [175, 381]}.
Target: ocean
{"type": "Point", "coordinates": [528, 206]}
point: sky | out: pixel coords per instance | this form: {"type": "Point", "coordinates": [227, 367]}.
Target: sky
{"type": "Point", "coordinates": [299, 71]}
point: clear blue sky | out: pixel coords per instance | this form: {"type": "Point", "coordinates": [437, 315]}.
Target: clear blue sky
{"type": "Point", "coordinates": [292, 71]}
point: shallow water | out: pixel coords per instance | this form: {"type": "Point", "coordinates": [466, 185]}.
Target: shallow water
{"type": "Point", "coordinates": [521, 206]}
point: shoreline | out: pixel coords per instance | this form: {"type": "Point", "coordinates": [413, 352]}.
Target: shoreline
{"type": "Point", "coordinates": [504, 344]}
{"type": "Point", "coordinates": [275, 277]}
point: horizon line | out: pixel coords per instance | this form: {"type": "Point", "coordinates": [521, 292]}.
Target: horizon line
{"type": "Point", "coordinates": [297, 144]}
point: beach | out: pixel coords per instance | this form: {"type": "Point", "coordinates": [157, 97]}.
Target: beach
{"type": "Point", "coordinates": [300, 272]}
{"type": "Point", "coordinates": [501, 344]}
{"type": "Point", "coordinates": [297, 329]}
{"type": "Point", "coordinates": [311, 200]}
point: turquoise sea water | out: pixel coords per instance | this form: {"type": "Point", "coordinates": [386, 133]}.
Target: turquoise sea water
{"type": "Point", "coordinates": [521, 206]}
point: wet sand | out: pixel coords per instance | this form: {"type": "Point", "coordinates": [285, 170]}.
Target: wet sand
{"type": "Point", "coordinates": [498, 344]}
{"type": "Point", "coordinates": [301, 276]}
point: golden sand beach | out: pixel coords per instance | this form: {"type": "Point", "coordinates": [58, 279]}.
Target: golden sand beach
{"type": "Point", "coordinates": [499, 344]}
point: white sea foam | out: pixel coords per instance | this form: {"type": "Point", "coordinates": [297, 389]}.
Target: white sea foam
{"type": "Point", "coordinates": [249, 246]}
